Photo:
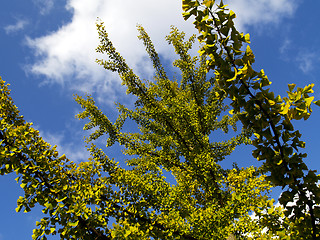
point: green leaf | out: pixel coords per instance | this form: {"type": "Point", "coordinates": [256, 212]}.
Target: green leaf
{"type": "Point", "coordinates": [247, 38]}
{"type": "Point", "coordinates": [18, 209]}
{"type": "Point", "coordinates": [48, 205]}
{"type": "Point", "coordinates": [317, 102]}
{"type": "Point", "coordinates": [285, 109]}
{"type": "Point", "coordinates": [73, 224]}
{"type": "Point", "coordinates": [291, 87]}
{"type": "Point", "coordinates": [309, 101]}
{"type": "Point", "coordinates": [60, 200]}
{"type": "Point", "coordinates": [186, 15]}
{"type": "Point", "coordinates": [232, 14]}
{"type": "Point", "coordinates": [235, 75]}
{"type": "Point", "coordinates": [257, 135]}
{"type": "Point", "coordinates": [208, 3]}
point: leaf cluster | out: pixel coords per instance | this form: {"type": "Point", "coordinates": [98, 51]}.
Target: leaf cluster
{"type": "Point", "coordinates": [270, 117]}
{"type": "Point", "coordinates": [172, 184]}
{"type": "Point", "coordinates": [103, 199]}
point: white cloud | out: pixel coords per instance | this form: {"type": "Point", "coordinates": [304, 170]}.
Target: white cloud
{"type": "Point", "coordinates": [19, 25]}
{"type": "Point", "coordinates": [67, 56]}
{"type": "Point", "coordinates": [74, 150]}
{"type": "Point", "coordinates": [307, 60]}
{"type": "Point", "coordinates": [45, 6]}
{"type": "Point", "coordinates": [286, 45]}
{"type": "Point", "coordinates": [257, 12]}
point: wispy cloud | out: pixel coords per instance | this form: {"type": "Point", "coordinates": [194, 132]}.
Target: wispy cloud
{"type": "Point", "coordinates": [307, 60]}
{"type": "Point", "coordinates": [44, 6]}
{"type": "Point", "coordinates": [18, 26]}
{"type": "Point", "coordinates": [74, 148]}
{"type": "Point", "coordinates": [257, 12]}
{"type": "Point", "coordinates": [67, 56]}
{"type": "Point", "coordinates": [286, 45]}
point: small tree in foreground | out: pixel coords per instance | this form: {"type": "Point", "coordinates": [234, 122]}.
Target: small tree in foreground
{"type": "Point", "coordinates": [176, 119]}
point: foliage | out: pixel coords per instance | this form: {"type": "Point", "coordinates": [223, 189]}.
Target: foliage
{"type": "Point", "coordinates": [172, 184]}
{"type": "Point", "coordinates": [270, 117]}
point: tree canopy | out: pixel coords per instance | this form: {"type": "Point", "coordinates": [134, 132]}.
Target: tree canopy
{"type": "Point", "coordinates": [270, 117]}
{"type": "Point", "coordinates": [172, 184]}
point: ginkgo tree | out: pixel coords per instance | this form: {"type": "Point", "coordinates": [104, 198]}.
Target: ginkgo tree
{"type": "Point", "coordinates": [270, 117]}
{"type": "Point", "coordinates": [172, 184]}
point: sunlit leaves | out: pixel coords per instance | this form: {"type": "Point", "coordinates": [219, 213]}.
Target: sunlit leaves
{"type": "Point", "coordinates": [175, 120]}
{"type": "Point", "coordinates": [268, 116]}
{"type": "Point", "coordinates": [171, 183]}
{"type": "Point", "coordinates": [47, 179]}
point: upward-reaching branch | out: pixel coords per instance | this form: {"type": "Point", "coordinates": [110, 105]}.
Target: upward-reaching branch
{"type": "Point", "coordinates": [268, 116]}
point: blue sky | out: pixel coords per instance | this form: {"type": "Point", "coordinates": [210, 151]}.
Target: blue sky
{"type": "Point", "coordinates": [48, 53]}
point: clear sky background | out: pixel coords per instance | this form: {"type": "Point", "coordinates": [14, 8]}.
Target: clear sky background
{"type": "Point", "coordinates": [47, 53]}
